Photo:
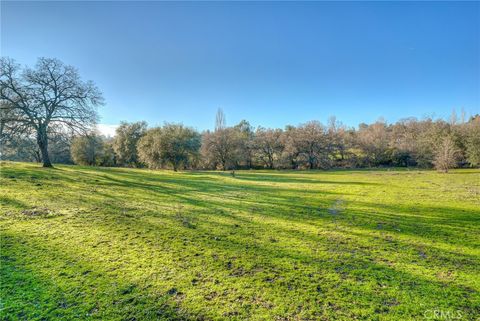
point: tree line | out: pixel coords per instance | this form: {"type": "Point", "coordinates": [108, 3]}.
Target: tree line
{"type": "Point", "coordinates": [407, 143]}
{"type": "Point", "coordinates": [48, 114]}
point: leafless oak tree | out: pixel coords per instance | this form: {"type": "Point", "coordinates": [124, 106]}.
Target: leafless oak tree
{"type": "Point", "coordinates": [446, 155]}
{"type": "Point", "coordinates": [268, 145]}
{"type": "Point", "coordinates": [47, 96]}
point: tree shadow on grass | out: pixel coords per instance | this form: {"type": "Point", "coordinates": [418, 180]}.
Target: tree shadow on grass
{"type": "Point", "coordinates": [233, 220]}
{"type": "Point", "coordinates": [12, 203]}
{"type": "Point", "coordinates": [270, 268]}
{"type": "Point", "coordinates": [33, 293]}
{"type": "Point", "coordinates": [292, 203]}
{"type": "Point", "coordinates": [282, 178]}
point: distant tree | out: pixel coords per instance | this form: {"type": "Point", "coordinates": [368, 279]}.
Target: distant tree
{"type": "Point", "coordinates": [311, 141]}
{"type": "Point", "coordinates": [108, 158]}
{"type": "Point", "coordinates": [51, 94]}
{"type": "Point", "coordinates": [9, 130]}
{"type": "Point", "coordinates": [446, 155]}
{"type": "Point", "coordinates": [245, 139]}
{"type": "Point", "coordinates": [172, 144]}
{"type": "Point", "coordinates": [339, 142]}
{"type": "Point", "coordinates": [59, 147]}
{"type": "Point", "coordinates": [220, 148]}
{"type": "Point", "coordinates": [20, 148]}
{"type": "Point", "coordinates": [220, 120]}
{"type": "Point", "coordinates": [430, 134]}
{"type": "Point", "coordinates": [373, 140]}
{"type": "Point", "coordinates": [149, 150]}
{"type": "Point", "coordinates": [473, 141]}
{"type": "Point", "coordinates": [88, 150]}
{"type": "Point", "coordinates": [17, 141]}
{"type": "Point", "coordinates": [402, 142]}
{"type": "Point", "coordinates": [268, 146]}
{"type": "Point", "coordinates": [290, 157]}
{"type": "Point", "coordinates": [125, 142]}
{"type": "Point", "coordinates": [25, 148]}
{"type": "Point", "coordinates": [475, 117]}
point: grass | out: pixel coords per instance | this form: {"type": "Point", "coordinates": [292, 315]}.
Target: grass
{"type": "Point", "coordinates": [129, 244]}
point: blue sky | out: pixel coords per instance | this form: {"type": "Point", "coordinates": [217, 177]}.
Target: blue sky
{"type": "Point", "coordinates": [270, 63]}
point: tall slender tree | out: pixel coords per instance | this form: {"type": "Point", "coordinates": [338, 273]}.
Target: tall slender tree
{"type": "Point", "coordinates": [220, 120]}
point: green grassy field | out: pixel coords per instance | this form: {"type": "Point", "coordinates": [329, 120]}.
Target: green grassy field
{"type": "Point", "coordinates": [128, 244]}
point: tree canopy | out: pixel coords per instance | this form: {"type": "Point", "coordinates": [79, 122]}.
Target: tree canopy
{"type": "Point", "coordinates": [51, 97]}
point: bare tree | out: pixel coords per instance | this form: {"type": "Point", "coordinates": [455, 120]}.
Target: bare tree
{"type": "Point", "coordinates": [220, 120]}
{"type": "Point", "coordinates": [220, 148]}
{"type": "Point", "coordinates": [311, 141]}
{"type": "Point", "coordinates": [339, 141]}
{"type": "Point", "coordinates": [373, 140]}
{"type": "Point", "coordinates": [268, 145]}
{"type": "Point", "coordinates": [51, 94]}
{"type": "Point", "coordinates": [429, 134]}
{"type": "Point", "coordinates": [446, 155]}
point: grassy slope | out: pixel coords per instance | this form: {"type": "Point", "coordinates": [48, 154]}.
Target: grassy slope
{"type": "Point", "coordinates": [137, 244]}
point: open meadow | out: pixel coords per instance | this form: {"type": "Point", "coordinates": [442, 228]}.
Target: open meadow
{"type": "Point", "coordinates": [136, 244]}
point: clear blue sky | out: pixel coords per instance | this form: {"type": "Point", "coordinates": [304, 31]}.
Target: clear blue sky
{"type": "Point", "coordinates": [270, 63]}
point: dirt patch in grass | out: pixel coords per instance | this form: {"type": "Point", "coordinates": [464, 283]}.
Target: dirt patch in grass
{"type": "Point", "coordinates": [38, 212]}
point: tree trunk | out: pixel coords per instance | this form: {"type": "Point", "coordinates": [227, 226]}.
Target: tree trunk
{"type": "Point", "coordinates": [249, 161]}
{"type": "Point", "coordinates": [311, 162]}
{"type": "Point", "coordinates": [42, 141]}
{"type": "Point", "coordinates": [270, 161]}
